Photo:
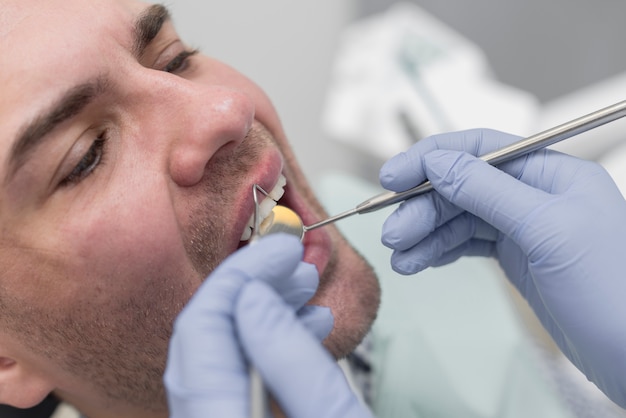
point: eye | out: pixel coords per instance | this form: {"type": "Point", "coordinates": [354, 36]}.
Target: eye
{"type": "Point", "coordinates": [180, 62]}
{"type": "Point", "coordinates": [87, 165]}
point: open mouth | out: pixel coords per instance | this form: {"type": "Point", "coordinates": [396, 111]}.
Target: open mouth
{"type": "Point", "coordinates": [317, 244]}
{"type": "Point", "coordinates": [267, 203]}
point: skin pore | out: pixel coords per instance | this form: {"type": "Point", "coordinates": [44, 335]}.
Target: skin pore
{"type": "Point", "coordinates": [126, 164]}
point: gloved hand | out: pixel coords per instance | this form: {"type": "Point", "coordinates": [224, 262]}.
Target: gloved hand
{"type": "Point", "coordinates": [246, 309]}
{"type": "Point", "coordinates": [557, 225]}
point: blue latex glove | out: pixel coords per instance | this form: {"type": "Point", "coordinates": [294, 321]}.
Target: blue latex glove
{"type": "Point", "coordinates": [246, 309]}
{"type": "Point", "coordinates": [557, 225]}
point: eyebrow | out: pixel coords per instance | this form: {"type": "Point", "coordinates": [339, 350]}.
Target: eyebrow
{"type": "Point", "coordinates": [33, 133]}
{"type": "Point", "coordinates": [146, 27]}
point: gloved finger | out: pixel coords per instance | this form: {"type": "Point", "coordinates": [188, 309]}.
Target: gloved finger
{"type": "Point", "coordinates": [298, 288]}
{"type": "Point", "coordinates": [275, 259]}
{"type": "Point", "coordinates": [406, 169]}
{"type": "Point", "coordinates": [470, 183]}
{"type": "Point", "coordinates": [415, 219]}
{"type": "Point", "coordinates": [551, 171]}
{"type": "Point", "coordinates": [270, 259]}
{"type": "Point", "coordinates": [207, 315]}
{"type": "Point", "coordinates": [450, 236]}
{"type": "Point", "coordinates": [473, 247]}
{"type": "Point", "coordinates": [205, 369]}
{"type": "Point", "coordinates": [300, 374]}
{"type": "Point", "coordinates": [319, 320]}
{"type": "Point", "coordinates": [204, 356]}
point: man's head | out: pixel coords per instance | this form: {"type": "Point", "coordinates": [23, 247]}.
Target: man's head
{"type": "Point", "coordinates": [126, 168]}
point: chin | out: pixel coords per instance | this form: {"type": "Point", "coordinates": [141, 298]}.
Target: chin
{"type": "Point", "coordinates": [350, 288]}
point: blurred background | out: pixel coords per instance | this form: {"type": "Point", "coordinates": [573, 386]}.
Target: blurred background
{"type": "Point", "coordinates": [331, 68]}
{"type": "Point", "coordinates": [540, 63]}
{"type": "Point", "coordinates": [549, 49]}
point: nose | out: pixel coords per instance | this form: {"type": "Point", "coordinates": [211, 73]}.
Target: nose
{"type": "Point", "coordinates": [210, 118]}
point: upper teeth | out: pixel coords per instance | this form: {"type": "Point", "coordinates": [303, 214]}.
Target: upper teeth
{"type": "Point", "coordinates": [265, 207]}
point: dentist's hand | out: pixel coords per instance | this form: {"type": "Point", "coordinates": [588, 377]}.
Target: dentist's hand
{"type": "Point", "coordinates": [557, 225]}
{"type": "Point", "coordinates": [252, 307]}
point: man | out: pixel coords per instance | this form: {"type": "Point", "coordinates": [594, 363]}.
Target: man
{"type": "Point", "coordinates": [555, 223]}
{"type": "Point", "coordinates": [127, 164]}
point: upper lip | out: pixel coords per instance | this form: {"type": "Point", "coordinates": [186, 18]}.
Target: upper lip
{"type": "Point", "coordinates": [266, 181]}
{"type": "Point", "coordinates": [266, 173]}
{"type": "Point", "coordinates": [317, 242]}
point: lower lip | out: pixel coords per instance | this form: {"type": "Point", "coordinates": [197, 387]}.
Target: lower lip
{"type": "Point", "coordinates": [317, 243]}
{"type": "Point", "coordinates": [317, 247]}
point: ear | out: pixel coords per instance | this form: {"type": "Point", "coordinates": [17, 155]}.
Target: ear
{"type": "Point", "coordinates": [21, 385]}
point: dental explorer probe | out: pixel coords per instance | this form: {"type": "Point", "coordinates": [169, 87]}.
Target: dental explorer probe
{"type": "Point", "coordinates": [283, 219]}
{"type": "Point", "coordinates": [517, 149]}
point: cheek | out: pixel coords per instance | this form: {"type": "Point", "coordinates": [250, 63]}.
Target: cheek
{"type": "Point", "coordinates": [127, 246]}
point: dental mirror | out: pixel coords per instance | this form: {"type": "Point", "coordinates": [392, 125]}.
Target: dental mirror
{"type": "Point", "coordinates": [282, 219]}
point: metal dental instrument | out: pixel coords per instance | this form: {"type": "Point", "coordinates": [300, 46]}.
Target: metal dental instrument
{"type": "Point", "coordinates": [285, 220]}
{"type": "Point", "coordinates": [256, 229]}
{"type": "Point", "coordinates": [517, 149]}
{"type": "Point", "coordinates": [258, 394]}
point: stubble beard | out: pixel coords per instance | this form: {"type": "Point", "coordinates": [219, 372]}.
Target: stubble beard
{"type": "Point", "coordinates": [125, 360]}
{"type": "Point", "coordinates": [120, 348]}
{"type": "Point", "coordinates": [354, 307]}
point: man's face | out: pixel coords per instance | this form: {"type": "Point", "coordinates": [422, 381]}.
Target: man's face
{"type": "Point", "coordinates": [127, 165]}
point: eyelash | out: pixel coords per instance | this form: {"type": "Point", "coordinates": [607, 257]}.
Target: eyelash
{"type": "Point", "coordinates": [92, 159]}
{"type": "Point", "coordinates": [96, 153]}
{"type": "Point", "coordinates": [180, 61]}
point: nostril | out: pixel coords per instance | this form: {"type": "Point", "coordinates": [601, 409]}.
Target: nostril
{"type": "Point", "coordinates": [187, 167]}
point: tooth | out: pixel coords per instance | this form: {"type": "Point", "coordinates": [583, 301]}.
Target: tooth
{"type": "Point", "coordinates": [247, 234]}
{"type": "Point", "coordinates": [267, 222]}
{"type": "Point", "coordinates": [279, 189]}
{"type": "Point", "coordinates": [265, 208]}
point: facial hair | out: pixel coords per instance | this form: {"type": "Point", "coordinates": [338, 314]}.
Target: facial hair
{"type": "Point", "coordinates": [121, 346]}
{"type": "Point", "coordinates": [226, 172]}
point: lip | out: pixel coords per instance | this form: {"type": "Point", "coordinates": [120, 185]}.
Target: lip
{"type": "Point", "coordinates": [266, 176]}
{"type": "Point", "coordinates": [317, 243]}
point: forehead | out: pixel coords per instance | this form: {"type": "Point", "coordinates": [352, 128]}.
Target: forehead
{"type": "Point", "coordinates": [48, 46]}
{"type": "Point", "coordinates": [34, 31]}
{"type": "Point", "coordinates": [62, 14]}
